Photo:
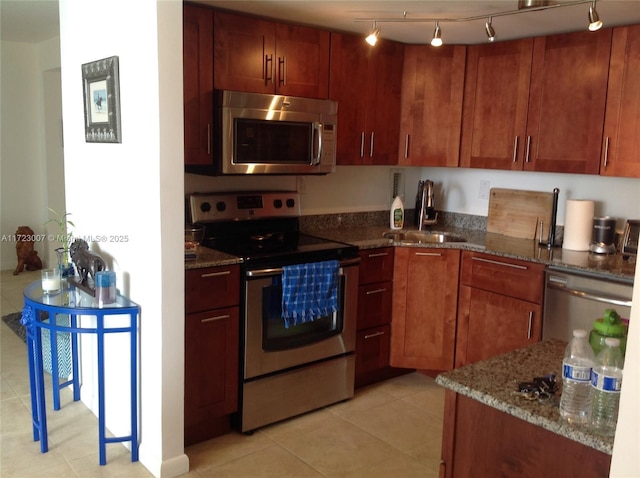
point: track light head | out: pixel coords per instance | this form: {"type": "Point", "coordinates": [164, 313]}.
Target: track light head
{"type": "Point", "coordinates": [491, 33]}
{"type": "Point", "coordinates": [594, 19]}
{"type": "Point", "coordinates": [437, 36]}
{"type": "Point", "coordinates": [372, 39]}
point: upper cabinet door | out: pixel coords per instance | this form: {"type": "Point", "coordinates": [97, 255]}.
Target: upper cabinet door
{"type": "Point", "coordinates": [198, 84]}
{"type": "Point", "coordinates": [244, 53]}
{"type": "Point", "coordinates": [431, 106]}
{"type": "Point", "coordinates": [260, 56]}
{"type": "Point", "coordinates": [302, 61]}
{"type": "Point", "coordinates": [495, 105]}
{"type": "Point", "coordinates": [567, 102]}
{"type": "Point", "coordinates": [621, 149]}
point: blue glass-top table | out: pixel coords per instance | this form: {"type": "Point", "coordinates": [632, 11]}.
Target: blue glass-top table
{"type": "Point", "coordinates": [58, 313]}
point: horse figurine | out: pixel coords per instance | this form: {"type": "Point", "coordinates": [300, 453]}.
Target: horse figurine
{"type": "Point", "coordinates": [87, 263]}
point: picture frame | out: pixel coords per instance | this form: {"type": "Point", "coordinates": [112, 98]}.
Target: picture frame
{"type": "Point", "coordinates": [101, 85]}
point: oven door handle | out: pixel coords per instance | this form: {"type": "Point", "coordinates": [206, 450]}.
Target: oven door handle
{"type": "Point", "coordinates": [587, 295]}
{"type": "Point", "coordinates": [280, 270]}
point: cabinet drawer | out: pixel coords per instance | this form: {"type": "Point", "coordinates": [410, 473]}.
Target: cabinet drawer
{"type": "Point", "coordinates": [211, 288]}
{"type": "Point", "coordinates": [376, 265]}
{"type": "Point", "coordinates": [374, 304]}
{"type": "Point", "coordinates": [372, 349]}
{"type": "Point", "coordinates": [514, 278]}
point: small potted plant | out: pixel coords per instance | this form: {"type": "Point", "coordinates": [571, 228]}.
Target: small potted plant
{"type": "Point", "coordinates": [65, 238]}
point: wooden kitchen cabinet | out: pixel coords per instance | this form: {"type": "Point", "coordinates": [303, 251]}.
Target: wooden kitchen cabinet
{"type": "Point", "coordinates": [366, 82]}
{"type": "Point", "coordinates": [425, 293]}
{"type": "Point", "coordinates": [374, 316]}
{"type": "Point", "coordinates": [537, 104]}
{"type": "Point", "coordinates": [212, 329]}
{"type": "Point", "coordinates": [260, 56]}
{"type": "Point", "coordinates": [499, 306]}
{"type": "Point", "coordinates": [431, 106]}
{"type": "Point", "coordinates": [197, 84]}
{"type": "Point", "coordinates": [622, 118]}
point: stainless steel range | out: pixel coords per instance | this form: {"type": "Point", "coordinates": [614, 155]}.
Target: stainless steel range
{"type": "Point", "coordinates": [286, 369]}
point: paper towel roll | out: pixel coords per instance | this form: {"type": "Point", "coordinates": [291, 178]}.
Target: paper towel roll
{"type": "Point", "coordinates": [578, 224]}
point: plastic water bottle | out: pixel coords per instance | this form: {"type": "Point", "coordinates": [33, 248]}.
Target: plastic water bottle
{"type": "Point", "coordinates": [575, 402]}
{"type": "Point", "coordinates": [606, 380]}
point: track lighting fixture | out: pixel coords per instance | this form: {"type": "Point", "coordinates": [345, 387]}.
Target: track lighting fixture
{"type": "Point", "coordinates": [491, 33]}
{"type": "Point", "coordinates": [525, 6]}
{"type": "Point", "coordinates": [372, 39]}
{"type": "Point", "coordinates": [594, 18]}
{"type": "Point", "coordinates": [437, 35]}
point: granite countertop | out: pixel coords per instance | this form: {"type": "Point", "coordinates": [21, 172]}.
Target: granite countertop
{"type": "Point", "coordinates": [210, 258]}
{"type": "Point", "coordinates": [494, 382]}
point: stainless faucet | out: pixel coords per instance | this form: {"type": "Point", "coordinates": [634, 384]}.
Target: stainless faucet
{"type": "Point", "coordinates": [427, 202]}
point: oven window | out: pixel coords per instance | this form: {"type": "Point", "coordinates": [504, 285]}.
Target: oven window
{"type": "Point", "coordinates": [274, 334]}
{"type": "Point", "coordinates": [272, 142]}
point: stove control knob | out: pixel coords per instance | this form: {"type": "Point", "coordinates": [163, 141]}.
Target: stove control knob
{"type": "Point", "coordinates": [290, 202]}
{"type": "Point", "coordinates": [277, 203]}
{"type": "Point", "coordinates": [221, 206]}
{"type": "Point", "coordinates": [205, 207]}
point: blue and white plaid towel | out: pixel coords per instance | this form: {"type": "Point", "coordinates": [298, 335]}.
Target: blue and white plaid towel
{"type": "Point", "coordinates": [309, 291]}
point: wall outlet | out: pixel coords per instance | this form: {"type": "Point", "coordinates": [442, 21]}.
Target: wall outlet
{"type": "Point", "coordinates": [485, 187]}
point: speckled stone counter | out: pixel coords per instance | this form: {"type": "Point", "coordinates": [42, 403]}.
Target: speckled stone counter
{"type": "Point", "coordinates": [493, 382]}
{"type": "Point", "coordinates": [210, 258]}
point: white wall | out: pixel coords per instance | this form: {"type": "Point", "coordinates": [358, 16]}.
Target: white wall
{"type": "Point", "coordinates": [134, 191]}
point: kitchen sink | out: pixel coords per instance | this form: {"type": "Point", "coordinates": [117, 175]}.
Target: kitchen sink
{"type": "Point", "coordinates": [423, 237]}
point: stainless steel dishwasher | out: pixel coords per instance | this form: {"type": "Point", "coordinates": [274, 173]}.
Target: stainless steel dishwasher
{"type": "Point", "coordinates": [573, 300]}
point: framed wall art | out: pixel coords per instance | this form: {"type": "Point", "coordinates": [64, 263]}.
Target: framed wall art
{"type": "Point", "coordinates": [102, 101]}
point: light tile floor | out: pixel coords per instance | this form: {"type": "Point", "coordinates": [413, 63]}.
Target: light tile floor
{"type": "Point", "coordinates": [393, 428]}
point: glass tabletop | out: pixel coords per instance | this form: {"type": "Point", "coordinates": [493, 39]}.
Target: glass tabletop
{"type": "Point", "coordinates": [70, 297]}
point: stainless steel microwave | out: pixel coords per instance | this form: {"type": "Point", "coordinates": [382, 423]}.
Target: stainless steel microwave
{"type": "Point", "coordinates": [275, 134]}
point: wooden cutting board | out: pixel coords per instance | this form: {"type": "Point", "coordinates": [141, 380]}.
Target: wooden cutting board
{"type": "Point", "coordinates": [517, 213]}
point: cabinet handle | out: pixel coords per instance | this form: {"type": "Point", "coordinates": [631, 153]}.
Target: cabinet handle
{"type": "Point", "coordinates": [428, 254]}
{"type": "Point", "coordinates": [515, 149]}
{"type": "Point", "coordinates": [268, 69]}
{"type": "Point", "coordinates": [209, 139]}
{"type": "Point", "coordinates": [376, 291]}
{"type": "Point", "coordinates": [282, 71]}
{"type": "Point", "coordinates": [371, 146]}
{"type": "Point", "coordinates": [500, 263]}
{"type": "Point", "coordinates": [530, 324]}
{"type": "Point", "coordinates": [362, 144]}
{"type": "Point", "coordinates": [376, 334]}
{"type": "Point", "coordinates": [406, 147]}
{"type": "Point", "coordinates": [215, 274]}
{"type": "Point", "coordinates": [606, 152]}
{"type": "Point", "coordinates": [212, 319]}
{"type": "Point", "coordinates": [378, 254]}
{"type": "Point", "coordinates": [527, 155]}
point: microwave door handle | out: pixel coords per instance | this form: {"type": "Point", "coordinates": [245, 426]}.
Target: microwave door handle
{"type": "Point", "coordinates": [318, 129]}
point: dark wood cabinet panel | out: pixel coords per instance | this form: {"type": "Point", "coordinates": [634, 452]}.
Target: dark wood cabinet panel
{"type": "Point", "coordinates": [376, 265]}
{"type": "Point", "coordinates": [366, 82]}
{"type": "Point", "coordinates": [567, 102]}
{"type": "Point", "coordinates": [211, 288]}
{"type": "Point", "coordinates": [260, 56]}
{"type": "Point", "coordinates": [495, 105]}
{"type": "Point", "coordinates": [198, 84]}
{"type": "Point", "coordinates": [621, 149]}
{"type": "Point", "coordinates": [425, 295]}
{"type": "Point", "coordinates": [372, 354]}
{"type": "Point", "coordinates": [431, 107]}
{"type": "Point", "coordinates": [374, 304]}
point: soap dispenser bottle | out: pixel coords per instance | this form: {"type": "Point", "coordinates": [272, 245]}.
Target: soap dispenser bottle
{"type": "Point", "coordinates": [396, 218]}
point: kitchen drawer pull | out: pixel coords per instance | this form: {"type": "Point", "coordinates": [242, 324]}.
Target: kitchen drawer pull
{"type": "Point", "coordinates": [282, 71]}
{"type": "Point", "coordinates": [406, 147]}
{"type": "Point", "coordinates": [606, 152]}
{"type": "Point", "coordinates": [607, 299]}
{"type": "Point", "coordinates": [515, 149]}
{"type": "Point", "coordinates": [362, 144]}
{"type": "Point", "coordinates": [213, 319]}
{"type": "Point", "coordinates": [376, 334]}
{"type": "Point", "coordinates": [378, 254]}
{"type": "Point", "coordinates": [268, 69]}
{"type": "Point", "coordinates": [530, 324]}
{"type": "Point", "coordinates": [215, 274]}
{"type": "Point", "coordinates": [428, 254]}
{"type": "Point", "coordinates": [371, 146]}
{"type": "Point", "coordinates": [527, 155]}
{"type": "Point", "coordinates": [500, 263]}
{"type": "Point", "coordinates": [376, 291]}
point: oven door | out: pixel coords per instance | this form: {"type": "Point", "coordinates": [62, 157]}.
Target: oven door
{"type": "Point", "coordinates": [270, 347]}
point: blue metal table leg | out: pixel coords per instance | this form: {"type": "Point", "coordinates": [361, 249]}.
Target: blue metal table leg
{"type": "Point", "coordinates": [74, 360]}
{"type": "Point", "coordinates": [40, 399]}
{"type": "Point", "coordinates": [101, 405]}
{"type": "Point", "coordinates": [55, 380]}
{"type": "Point", "coordinates": [134, 387]}
{"type": "Point", "coordinates": [31, 350]}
